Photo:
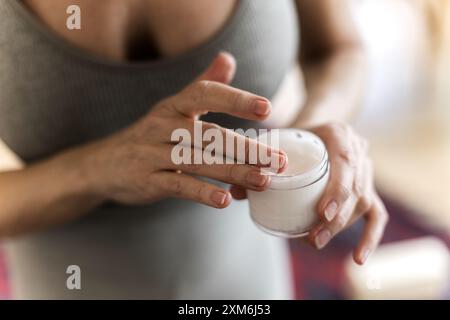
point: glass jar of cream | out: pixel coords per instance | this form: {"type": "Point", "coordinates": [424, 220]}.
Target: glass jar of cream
{"type": "Point", "coordinates": [288, 207]}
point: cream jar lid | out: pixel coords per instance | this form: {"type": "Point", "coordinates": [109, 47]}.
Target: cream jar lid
{"type": "Point", "coordinates": [307, 157]}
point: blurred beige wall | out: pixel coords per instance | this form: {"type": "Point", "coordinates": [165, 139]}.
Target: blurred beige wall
{"type": "Point", "coordinates": [406, 113]}
{"type": "Point", "coordinates": [441, 111]}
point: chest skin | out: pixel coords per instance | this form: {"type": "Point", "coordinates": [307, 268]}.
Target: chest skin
{"type": "Point", "coordinates": [125, 30]}
{"type": "Point", "coordinates": [54, 97]}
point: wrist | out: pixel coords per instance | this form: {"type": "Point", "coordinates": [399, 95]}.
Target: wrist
{"type": "Point", "coordinates": [309, 119]}
{"type": "Point", "coordinates": [83, 171]}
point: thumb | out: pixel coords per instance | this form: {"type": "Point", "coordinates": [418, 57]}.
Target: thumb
{"type": "Point", "coordinates": [222, 69]}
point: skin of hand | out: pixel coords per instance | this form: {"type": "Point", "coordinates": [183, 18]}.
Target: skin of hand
{"type": "Point", "coordinates": [335, 71]}
{"type": "Point", "coordinates": [334, 65]}
{"type": "Point", "coordinates": [134, 166]}
{"type": "Point", "coordinates": [350, 194]}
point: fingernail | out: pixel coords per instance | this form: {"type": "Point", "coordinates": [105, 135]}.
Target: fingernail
{"type": "Point", "coordinates": [283, 160]}
{"type": "Point", "coordinates": [219, 197]}
{"type": "Point", "coordinates": [331, 211]}
{"type": "Point", "coordinates": [365, 255]}
{"type": "Point", "coordinates": [255, 178]}
{"type": "Point", "coordinates": [279, 162]}
{"type": "Point", "coordinates": [323, 238]}
{"type": "Point", "coordinates": [261, 107]}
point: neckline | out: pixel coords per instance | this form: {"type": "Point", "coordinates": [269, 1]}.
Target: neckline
{"type": "Point", "coordinates": [85, 56]}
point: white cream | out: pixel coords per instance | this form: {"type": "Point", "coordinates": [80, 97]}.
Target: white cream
{"type": "Point", "coordinates": [299, 161]}
{"type": "Point", "coordinates": [288, 207]}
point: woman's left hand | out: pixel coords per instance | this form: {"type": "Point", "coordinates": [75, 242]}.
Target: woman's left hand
{"type": "Point", "coordinates": [350, 193]}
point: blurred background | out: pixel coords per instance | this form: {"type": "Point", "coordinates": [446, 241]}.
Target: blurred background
{"type": "Point", "coordinates": [406, 117]}
{"type": "Point", "coordinates": [406, 113]}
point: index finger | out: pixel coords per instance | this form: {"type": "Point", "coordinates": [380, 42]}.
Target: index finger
{"type": "Point", "coordinates": [206, 96]}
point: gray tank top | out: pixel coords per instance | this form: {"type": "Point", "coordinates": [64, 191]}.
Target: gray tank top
{"type": "Point", "coordinates": [54, 96]}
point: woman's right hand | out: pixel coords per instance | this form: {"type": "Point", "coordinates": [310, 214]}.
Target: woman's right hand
{"type": "Point", "coordinates": [134, 166]}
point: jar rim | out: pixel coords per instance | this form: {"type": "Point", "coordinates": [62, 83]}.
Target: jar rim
{"type": "Point", "coordinates": [303, 179]}
{"type": "Point", "coordinates": [309, 183]}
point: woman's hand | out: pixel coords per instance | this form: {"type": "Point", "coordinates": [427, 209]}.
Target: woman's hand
{"type": "Point", "coordinates": [134, 166]}
{"type": "Point", "coordinates": [350, 193]}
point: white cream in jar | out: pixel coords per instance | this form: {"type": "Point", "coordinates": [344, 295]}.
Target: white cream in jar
{"type": "Point", "coordinates": [288, 207]}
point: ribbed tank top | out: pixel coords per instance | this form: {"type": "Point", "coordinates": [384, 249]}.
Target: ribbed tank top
{"type": "Point", "coordinates": [54, 96]}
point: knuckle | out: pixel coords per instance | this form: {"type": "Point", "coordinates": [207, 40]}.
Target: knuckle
{"type": "Point", "coordinates": [202, 84]}
{"type": "Point", "coordinates": [164, 106]}
{"type": "Point", "coordinates": [343, 192]}
{"type": "Point", "coordinates": [176, 187]}
{"type": "Point", "coordinates": [156, 123]}
{"type": "Point", "coordinates": [358, 186]}
{"type": "Point", "coordinates": [200, 90]}
{"type": "Point", "coordinates": [161, 159]}
{"type": "Point", "coordinates": [237, 99]}
{"type": "Point", "coordinates": [346, 155]}
{"type": "Point", "coordinates": [384, 217]}
{"type": "Point", "coordinates": [231, 173]}
{"type": "Point", "coordinates": [341, 221]}
{"type": "Point", "coordinates": [141, 187]}
{"type": "Point", "coordinates": [200, 191]}
{"type": "Point", "coordinates": [365, 203]}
